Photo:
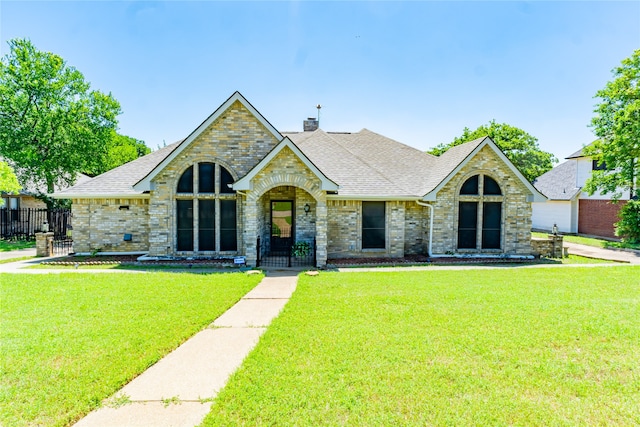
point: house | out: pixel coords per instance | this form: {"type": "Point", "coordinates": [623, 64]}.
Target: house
{"type": "Point", "coordinates": [236, 186]}
{"type": "Point", "coordinates": [570, 208]}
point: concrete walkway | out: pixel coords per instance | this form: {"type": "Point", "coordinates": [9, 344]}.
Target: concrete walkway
{"type": "Point", "coordinates": [619, 255]}
{"type": "Point", "coordinates": [19, 253]}
{"type": "Point", "coordinates": [177, 391]}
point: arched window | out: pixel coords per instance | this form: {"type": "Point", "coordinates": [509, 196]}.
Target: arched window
{"type": "Point", "coordinates": [206, 217]}
{"type": "Point", "coordinates": [480, 213]}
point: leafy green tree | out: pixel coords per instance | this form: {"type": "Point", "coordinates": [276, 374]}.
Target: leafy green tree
{"type": "Point", "coordinates": [519, 147]}
{"type": "Point", "coordinates": [119, 150]}
{"type": "Point", "coordinates": [8, 181]}
{"type": "Point", "coordinates": [617, 124]}
{"type": "Point", "coordinates": [51, 123]}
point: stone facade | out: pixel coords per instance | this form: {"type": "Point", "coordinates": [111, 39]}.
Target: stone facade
{"type": "Point", "coordinates": [100, 225]}
{"type": "Point", "coordinates": [238, 141]}
{"type": "Point", "coordinates": [551, 247]}
{"type": "Point", "coordinates": [516, 210]}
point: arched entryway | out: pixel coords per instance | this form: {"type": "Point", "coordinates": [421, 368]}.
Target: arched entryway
{"type": "Point", "coordinates": [286, 228]}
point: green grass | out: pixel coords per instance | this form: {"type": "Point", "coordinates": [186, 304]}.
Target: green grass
{"type": "Point", "coordinates": [12, 245]}
{"type": "Point", "coordinates": [590, 241]}
{"type": "Point", "coordinates": [6, 261]}
{"type": "Point", "coordinates": [69, 341]}
{"type": "Point", "coordinates": [479, 347]}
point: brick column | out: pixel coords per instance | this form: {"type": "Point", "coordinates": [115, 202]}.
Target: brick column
{"type": "Point", "coordinates": [44, 244]}
{"type": "Point", "coordinates": [250, 234]}
{"type": "Point", "coordinates": [557, 240]}
{"type": "Point", "coordinates": [321, 234]}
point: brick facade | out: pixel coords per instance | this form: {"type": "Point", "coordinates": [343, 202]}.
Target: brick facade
{"type": "Point", "coordinates": [597, 217]}
{"type": "Point", "coordinates": [100, 225]}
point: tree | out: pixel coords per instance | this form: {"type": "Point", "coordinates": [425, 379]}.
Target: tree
{"type": "Point", "coordinates": [519, 147]}
{"type": "Point", "coordinates": [51, 123]}
{"type": "Point", "coordinates": [8, 181]}
{"type": "Point", "coordinates": [119, 150]}
{"type": "Point", "coordinates": [617, 124]}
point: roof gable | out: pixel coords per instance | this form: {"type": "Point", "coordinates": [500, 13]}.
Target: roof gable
{"type": "Point", "coordinates": [560, 182]}
{"type": "Point", "coordinates": [463, 155]}
{"type": "Point", "coordinates": [245, 182]}
{"type": "Point", "coordinates": [145, 183]}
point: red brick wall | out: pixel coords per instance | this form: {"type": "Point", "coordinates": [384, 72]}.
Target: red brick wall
{"type": "Point", "coordinates": [596, 217]}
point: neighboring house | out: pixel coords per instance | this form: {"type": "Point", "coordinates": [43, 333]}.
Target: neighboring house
{"type": "Point", "coordinates": [236, 179]}
{"type": "Point", "coordinates": [570, 208]}
{"type": "Point", "coordinates": [26, 197]}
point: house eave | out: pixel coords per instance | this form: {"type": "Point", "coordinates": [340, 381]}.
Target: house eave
{"type": "Point", "coordinates": [100, 196]}
{"type": "Point", "coordinates": [373, 198]}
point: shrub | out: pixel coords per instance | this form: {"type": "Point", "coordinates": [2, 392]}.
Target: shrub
{"type": "Point", "coordinates": [629, 225]}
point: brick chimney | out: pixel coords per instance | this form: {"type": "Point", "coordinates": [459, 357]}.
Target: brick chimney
{"type": "Point", "coordinates": [310, 124]}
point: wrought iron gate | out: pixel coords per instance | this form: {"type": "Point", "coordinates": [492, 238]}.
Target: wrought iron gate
{"type": "Point", "coordinates": [286, 253]}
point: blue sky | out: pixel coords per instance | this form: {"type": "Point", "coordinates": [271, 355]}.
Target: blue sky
{"type": "Point", "coordinates": [418, 72]}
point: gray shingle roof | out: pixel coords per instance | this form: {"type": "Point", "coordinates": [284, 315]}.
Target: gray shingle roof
{"type": "Point", "coordinates": [119, 181]}
{"type": "Point", "coordinates": [560, 182]}
{"type": "Point", "coordinates": [363, 164]}
{"type": "Point", "coordinates": [366, 163]}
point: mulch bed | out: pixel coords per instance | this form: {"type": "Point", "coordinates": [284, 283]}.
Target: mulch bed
{"type": "Point", "coordinates": [133, 260]}
{"type": "Point", "coordinates": [335, 263]}
{"type": "Point", "coordinates": [421, 260]}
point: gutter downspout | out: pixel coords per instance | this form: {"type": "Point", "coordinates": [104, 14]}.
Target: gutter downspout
{"type": "Point", "coordinates": [430, 206]}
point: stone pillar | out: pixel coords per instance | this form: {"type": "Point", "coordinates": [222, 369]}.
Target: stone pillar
{"type": "Point", "coordinates": [44, 244]}
{"type": "Point", "coordinates": [321, 234]}
{"type": "Point", "coordinates": [557, 250]}
{"type": "Point", "coordinates": [250, 234]}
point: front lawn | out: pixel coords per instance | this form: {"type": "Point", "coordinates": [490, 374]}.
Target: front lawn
{"type": "Point", "coordinates": [12, 245]}
{"type": "Point", "coordinates": [473, 347]}
{"type": "Point", "coordinates": [71, 340]}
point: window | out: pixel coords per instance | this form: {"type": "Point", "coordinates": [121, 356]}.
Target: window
{"type": "Point", "coordinates": [185, 225]}
{"type": "Point", "coordinates": [207, 225]}
{"type": "Point", "coordinates": [228, 236]}
{"type": "Point", "coordinates": [373, 225]}
{"type": "Point", "coordinates": [480, 206]}
{"type": "Point", "coordinates": [470, 186]}
{"type": "Point", "coordinates": [467, 225]}
{"type": "Point", "coordinates": [491, 187]}
{"type": "Point", "coordinates": [185, 185]}
{"type": "Point", "coordinates": [206, 208]}
{"type": "Point", "coordinates": [597, 166]}
{"type": "Point", "coordinates": [206, 178]}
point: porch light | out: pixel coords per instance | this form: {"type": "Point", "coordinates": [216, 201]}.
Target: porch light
{"type": "Point", "coordinates": [307, 208]}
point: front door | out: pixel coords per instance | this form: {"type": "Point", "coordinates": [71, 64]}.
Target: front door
{"type": "Point", "coordinates": [281, 225]}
